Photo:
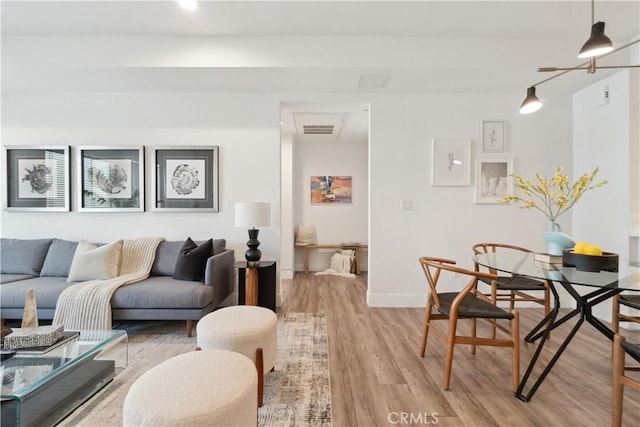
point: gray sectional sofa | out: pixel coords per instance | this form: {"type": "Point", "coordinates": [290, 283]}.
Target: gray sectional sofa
{"type": "Point", "coordinates": [43, 264]}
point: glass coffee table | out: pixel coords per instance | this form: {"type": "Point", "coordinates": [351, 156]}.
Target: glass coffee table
{"type": "Point", "coordinates": [42, 389]}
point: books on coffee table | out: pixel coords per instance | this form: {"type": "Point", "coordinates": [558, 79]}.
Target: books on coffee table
{"type": "Point", "coordinates": [68, 336]}
{"type": "Point", "coordinates": [547, 258]}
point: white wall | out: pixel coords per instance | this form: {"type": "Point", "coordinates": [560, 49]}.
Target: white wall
{"type": "Point", "coordinates": [606, 136]}
{"type": "Point", "coordinates": [246, 127]}
{"type": "Point", "coordinates": [334, 223]}
{"type": "Point", "coordinates": [444, 221]}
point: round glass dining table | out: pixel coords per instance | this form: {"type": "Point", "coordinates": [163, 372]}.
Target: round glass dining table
{"type": "Point", "coordinates": [595, 287]}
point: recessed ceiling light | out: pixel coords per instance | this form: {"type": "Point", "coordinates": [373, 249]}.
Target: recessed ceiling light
{"type": "Point", "coordinates": [188, 4]}
{"type": "Point", "coordinates": [373, 81]}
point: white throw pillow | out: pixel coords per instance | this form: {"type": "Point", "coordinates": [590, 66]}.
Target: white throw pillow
{"type": "Point", "coordinates": [341, 262]}
{"type": "Point", "coordinates": [95, 263]}
{"type": "Point", "coordinates": [306, 235]}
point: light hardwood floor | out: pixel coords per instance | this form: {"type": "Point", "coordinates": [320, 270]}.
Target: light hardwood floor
{"type": "Point", "coordinates": [377, 374]}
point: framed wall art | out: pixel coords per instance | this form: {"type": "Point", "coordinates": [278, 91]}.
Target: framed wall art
{"type": "Point", "coordinates": [493, 179]}
{"type": "Point", "coordinates": [330, 189]}
{"type": "Point", "coordinates": [493, 136]}
{"type": "Point", "coordinates": [111, 179]}
{"type": "Point", "coordinates": [451, 163]}
{"type": "Point", "coordinates": [186, 179]}
{"type": "Point", "coordinates": [37, 178]}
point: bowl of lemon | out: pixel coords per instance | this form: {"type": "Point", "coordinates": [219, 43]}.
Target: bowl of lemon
{"type": "Point", "coordinates": [588, 257]}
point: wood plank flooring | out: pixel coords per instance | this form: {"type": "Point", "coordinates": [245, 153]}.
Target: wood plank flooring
{"type": "Point", "coordinates": [377, 374]}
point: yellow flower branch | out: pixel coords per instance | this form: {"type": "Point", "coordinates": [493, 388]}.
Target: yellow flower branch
{"type": "Point", "coordinates": [555, 196]}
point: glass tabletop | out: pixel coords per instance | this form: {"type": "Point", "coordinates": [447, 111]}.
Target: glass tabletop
{"type": "Point", "coordinates": [525, 265]}
{"type": "Point", "coordinates": [26, 371]}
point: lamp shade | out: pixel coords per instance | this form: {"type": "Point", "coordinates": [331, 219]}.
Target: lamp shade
{"type": "Point", "coordinates": [253, 214]}
{"type": "Point", "coordinates": [598, 43]}
{"type": "Point", "coordinates": [531, 103]}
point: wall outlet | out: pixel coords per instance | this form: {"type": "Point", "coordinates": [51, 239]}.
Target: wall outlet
{"type": "Point", "coordinates": [406, 205]}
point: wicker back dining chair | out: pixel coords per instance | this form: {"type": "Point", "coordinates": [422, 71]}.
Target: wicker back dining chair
{"type": "Point", "coordinates": [513, 288]}
{"type": "Point", "coordinates": [620, 348]}
{"type": "Point", "coordinates": [466, 304]}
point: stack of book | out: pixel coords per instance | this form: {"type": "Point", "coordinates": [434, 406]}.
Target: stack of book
{"type": "Point", "coordinates": [547, 261]}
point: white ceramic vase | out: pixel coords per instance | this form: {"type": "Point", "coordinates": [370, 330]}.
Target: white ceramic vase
{"type": "Point", "coordinates": [557, 241]}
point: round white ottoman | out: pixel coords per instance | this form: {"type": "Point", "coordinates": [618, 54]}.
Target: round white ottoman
{"type": "Point", "coordinates": [200, 388]}
{"type": "Point", "coordinates": [246, 329]}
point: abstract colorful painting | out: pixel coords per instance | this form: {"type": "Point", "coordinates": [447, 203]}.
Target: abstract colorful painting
{"type": "Point", "coordinates": [330, 189]}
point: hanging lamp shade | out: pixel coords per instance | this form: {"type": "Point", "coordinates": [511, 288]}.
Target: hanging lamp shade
{"type": "Point", "coordinates": [531, 103]}
{"type": "Point", "coordinates": [598, 43]}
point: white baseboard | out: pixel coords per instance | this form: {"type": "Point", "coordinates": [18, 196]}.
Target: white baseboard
{"type": "Point", "coordinates": [286, 273]}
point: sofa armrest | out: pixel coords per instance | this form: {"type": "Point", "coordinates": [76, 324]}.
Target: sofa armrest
{"type": "Point", "coordinates": [219, 274]}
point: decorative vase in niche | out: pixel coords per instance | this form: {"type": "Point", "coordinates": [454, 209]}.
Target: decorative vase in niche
{"type": "Point", "coordinates": [557, 241]}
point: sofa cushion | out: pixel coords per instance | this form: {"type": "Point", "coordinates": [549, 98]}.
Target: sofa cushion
{"type": "Point", "coordinates": [59, 258]}
{"type": "Point", "coordinates": [219, 246]}
{"type": "Point", "coordinates": [192, 260]}
{"type": "Point", "coordinates": [95, 263]}
{"type": "Point", "coordinates": [47, 290]}
{"type": "Point", "coordinates": [162, 293]}
{"type": "Point", "coordinates": [8, 278]}
{"type": "Point", "coordinates": [23, 256]}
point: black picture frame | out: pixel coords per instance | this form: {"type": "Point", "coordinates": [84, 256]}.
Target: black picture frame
{"type": "Point", "coordinates": [186, 179]}
{"type": "Point", "coordinates": [111, 179]}
{"type": "Point", "coordinates": [38, 178]}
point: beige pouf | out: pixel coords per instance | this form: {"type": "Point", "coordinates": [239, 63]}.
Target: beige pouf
{"type": "Point", "coordinates": [250, 330]}
{"type": "Point", "coordinates": [200, 388]}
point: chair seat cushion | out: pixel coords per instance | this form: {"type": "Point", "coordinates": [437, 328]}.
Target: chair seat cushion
{"type": "Point", "coordinates": [472, 306]}
{"type": "Point", "coordinates": [517, 283]}
{"type": "Point", "coordinates": [630, 300]}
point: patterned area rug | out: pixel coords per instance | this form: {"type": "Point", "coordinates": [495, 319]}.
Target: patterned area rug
{"type": "Point", "coordinates": [297, 393]}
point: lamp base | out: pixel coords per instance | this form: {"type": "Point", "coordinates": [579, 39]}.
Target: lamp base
{"type": "Point", "coordinates": [253, 254]}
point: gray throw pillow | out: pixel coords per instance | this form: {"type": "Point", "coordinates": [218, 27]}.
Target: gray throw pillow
{"type": "Point", "coordinates": [23, 256]}
{"type": "Point", "coordinates": [59, 257]}
{"type": "Point", "coordinates": [219, 245]}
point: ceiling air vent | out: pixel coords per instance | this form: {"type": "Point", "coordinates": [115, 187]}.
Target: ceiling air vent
{"type": "Point", "coordinates": [318, 129]}
{"type": "Point", "coordinates": [318, 126]}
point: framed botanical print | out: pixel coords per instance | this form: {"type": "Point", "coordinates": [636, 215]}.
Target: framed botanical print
{"type": "Point", "coordinates": [186, 179]}
{"type": "Point", "coordinates": [493, 179]}
{"type": "Point", "coordinates": [451, 163]}
{"type": "Point", "coordinates": [37, 178]}
{"type": "Point", "coordinates": [111, 179]}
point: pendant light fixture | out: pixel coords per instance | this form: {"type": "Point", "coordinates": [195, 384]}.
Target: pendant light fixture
{"type": "Point", "coordinates": [531, 103]}
{"type": "Point", "coordinates": [598, 45]}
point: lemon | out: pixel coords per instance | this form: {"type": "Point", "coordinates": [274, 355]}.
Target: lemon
{"type": "Point", "coordinates": [579, 247]}
{"type": "Point", "coordinates": [593, 250]}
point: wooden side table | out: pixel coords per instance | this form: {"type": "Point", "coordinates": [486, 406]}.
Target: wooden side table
{"type": "Point", "coordinates": [257, 285]}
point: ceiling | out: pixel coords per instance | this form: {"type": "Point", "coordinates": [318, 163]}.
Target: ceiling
{"type": "Point", "coordinates": [303, 46]}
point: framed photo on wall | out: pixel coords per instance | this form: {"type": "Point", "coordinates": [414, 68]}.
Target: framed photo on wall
{"type": "Point", "coordinates": [493, 136]}
{"type": "Point", "coordinates": [37, 178]}
{"type": "Point", "coordinates": [493, 179]}
{"type": "Point", "coordinates": [111, 179]}
{"type": "Point", "coordinates": [330, 189]}
{"type": "Point", "coordinates": [186, 179]}
{"type": "Point", "coordinates": [451, 163]}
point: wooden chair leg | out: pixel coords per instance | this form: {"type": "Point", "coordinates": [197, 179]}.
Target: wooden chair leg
{"type": "Point", "coordinates": [494, 301]}
{"type": "Point", "coordinates": [474, 333]}
{"type": "Point", "coordinates": [451, 341]}
{"type": "Point", "coordinates": [425, 330]}
{"type": "Point", "coordinates": [260, 367]}
{"type": "Point", "coordinates": [515, 355]}
{"type": "Point", "coordinates": [615, 319]}
{"type": "Point", "coordinates": [189, 327]}
{"type": "Point", "coordinates": [617, 386]}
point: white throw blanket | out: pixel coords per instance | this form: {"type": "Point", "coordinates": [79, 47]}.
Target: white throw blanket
{"type": "Point", "coordinates": [340, 265]}
{"type": "Point", "coordinates": [87, 305]}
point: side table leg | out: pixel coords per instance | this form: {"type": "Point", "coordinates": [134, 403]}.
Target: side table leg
{"type": "Point", "coordinates": [251, 287]}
